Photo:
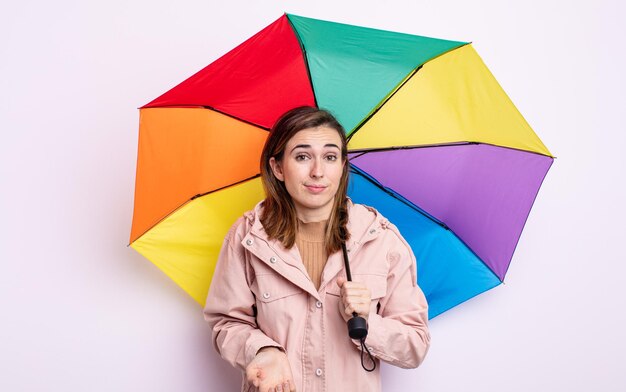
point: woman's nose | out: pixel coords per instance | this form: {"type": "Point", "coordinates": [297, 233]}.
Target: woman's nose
{"type": "Point", "coordinates": [317, 170]}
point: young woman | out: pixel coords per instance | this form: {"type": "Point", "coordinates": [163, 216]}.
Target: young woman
{"type": "Point", "coordinates": [279, 300]}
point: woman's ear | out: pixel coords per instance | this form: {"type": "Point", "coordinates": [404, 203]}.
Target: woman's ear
{"type": "Point", "coordinates": [277, 169]}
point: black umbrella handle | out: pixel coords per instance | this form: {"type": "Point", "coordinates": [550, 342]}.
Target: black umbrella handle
{"type": "Point", "coordinates": [357, 326]}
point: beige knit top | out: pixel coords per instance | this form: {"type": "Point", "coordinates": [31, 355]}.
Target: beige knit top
{"type": "Point", "coordinates": [310, 243]}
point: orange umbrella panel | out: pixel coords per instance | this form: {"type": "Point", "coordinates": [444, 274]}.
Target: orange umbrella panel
{"type": "Point", "coordinates": [184, 152]}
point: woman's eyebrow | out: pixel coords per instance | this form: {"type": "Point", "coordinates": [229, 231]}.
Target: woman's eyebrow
{"type": "Point", "coordinates": [301, 146]}
{"type": "Point", "coordinates": [309, 146]}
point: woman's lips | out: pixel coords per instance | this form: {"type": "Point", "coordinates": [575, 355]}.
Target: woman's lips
{"type": "Point", "coordinates": [315, 188]}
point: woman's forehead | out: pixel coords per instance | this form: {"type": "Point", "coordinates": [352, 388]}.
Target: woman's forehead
{"type": "Point", "coordinates": [315, 137]}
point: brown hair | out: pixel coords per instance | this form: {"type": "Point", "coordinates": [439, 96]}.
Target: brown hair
{"type": "Point", "coordinates": [279, 214]}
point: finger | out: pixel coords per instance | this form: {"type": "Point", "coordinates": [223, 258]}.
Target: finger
{"type": "Point", "coordinates": [348, 302]}
{"type": "Point", "coordinates": [355, 283]}
{"type": "Point", "coordinates": [254, 380]}
{"type": "Point", "coordinates": [355, 287]}
{"type": "Point", "coordinates": [292, 386]}
{"type": "Point", "coordinates": [359, 300]}
{"type": "Point", "coordinates": [279, 388]}
{"type": "Point", "coordinates": [340, 281]}
{"type": "Point", "coordinates": [252, 373]}
{"type": "Point", "coordinates": [360, 310]}
{"type": "Point", "coordinates": [356, 300]}
{"type": "Point", "coordinates": [354, 293]}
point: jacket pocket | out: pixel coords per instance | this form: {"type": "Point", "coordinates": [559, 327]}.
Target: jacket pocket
{"type": "Point", "coordinates": [279, 305]}
{"type": "Point", "coordinates": [269, 288]}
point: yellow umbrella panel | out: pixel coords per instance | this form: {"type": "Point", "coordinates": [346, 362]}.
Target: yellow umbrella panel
{"type": "Point", "coordinates": [452, 99]}
{"type": "Point", "coordinates": [185, 245]}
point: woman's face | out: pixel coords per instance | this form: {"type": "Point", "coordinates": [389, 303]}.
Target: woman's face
{"type": "Point", "coordinates": [311, 169]}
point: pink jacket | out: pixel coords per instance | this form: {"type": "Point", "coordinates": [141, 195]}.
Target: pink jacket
{"type": "Point", "coordinates": [306, 323]}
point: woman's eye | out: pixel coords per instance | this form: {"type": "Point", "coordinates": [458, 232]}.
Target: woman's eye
{"type": "Point", "coordinates": [331, 157]}
{"type": "Point", "coordinates": [301, 157]}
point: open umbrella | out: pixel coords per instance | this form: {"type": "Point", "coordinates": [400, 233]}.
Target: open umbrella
{"type": "Point", "coordinates": [435, 145]}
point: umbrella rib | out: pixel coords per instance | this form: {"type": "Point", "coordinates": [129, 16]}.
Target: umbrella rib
{"type": "Point", "coordinates": [362, 151]}
{"type": "Point", "coordinates": [370, 115]}
{"type": "Point", "coordinates": [358, 154]}
{"type": "Point", "coordinates": [405, 81]}
{"type": "Point", "coordinates": [411, 147]}
{"type": "Point", "coordinates": [213, 109]}
{"type": "Point", "coordinates": [306, 60]}
{"type": "Point", "coordinates": [191, 199]}
{"type": "Point", "coordinates": [236, 118]}
{"type": "Point", "coordinates": [224, 187]}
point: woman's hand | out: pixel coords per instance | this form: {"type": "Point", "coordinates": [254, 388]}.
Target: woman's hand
{"type": "Point", "coordinates": [355, 297]}
{"type": "Point", "coordinates": [269, 371]}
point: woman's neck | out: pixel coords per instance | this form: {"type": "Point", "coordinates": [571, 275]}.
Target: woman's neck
{"type": "Point", "coordinates": [312, 216]}
{"type": "Point", "coordinates": [312, 231]}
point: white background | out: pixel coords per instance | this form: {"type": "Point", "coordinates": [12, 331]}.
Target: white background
{"type": "Point", "coordinates": [80, 311]}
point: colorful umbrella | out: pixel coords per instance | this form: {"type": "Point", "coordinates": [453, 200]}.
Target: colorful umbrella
{"type": "Point", "coordinates": [435, 144]}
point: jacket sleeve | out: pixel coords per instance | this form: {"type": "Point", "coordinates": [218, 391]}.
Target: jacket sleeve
{"type": "Point", "coordinates": [398, 334]}
{"type": "Point", "coordinates": [228, 309]}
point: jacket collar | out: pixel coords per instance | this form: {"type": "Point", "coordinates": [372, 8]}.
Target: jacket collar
{"type": "Point", "coordinates": [364, 225]}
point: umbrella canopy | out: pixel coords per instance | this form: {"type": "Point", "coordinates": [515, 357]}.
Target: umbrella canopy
{"type": "Point", "coordinates": [435, 145]}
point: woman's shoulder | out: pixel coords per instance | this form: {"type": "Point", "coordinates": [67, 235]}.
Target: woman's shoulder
{"type": "Point", "coordinates": [364, 215]}
{"type": "Point", "coordinates": [361, 210]}
{"type": "Point", "coordinates": [246, 222]}
{"type": "Point", "coordinates": [366, 218]}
